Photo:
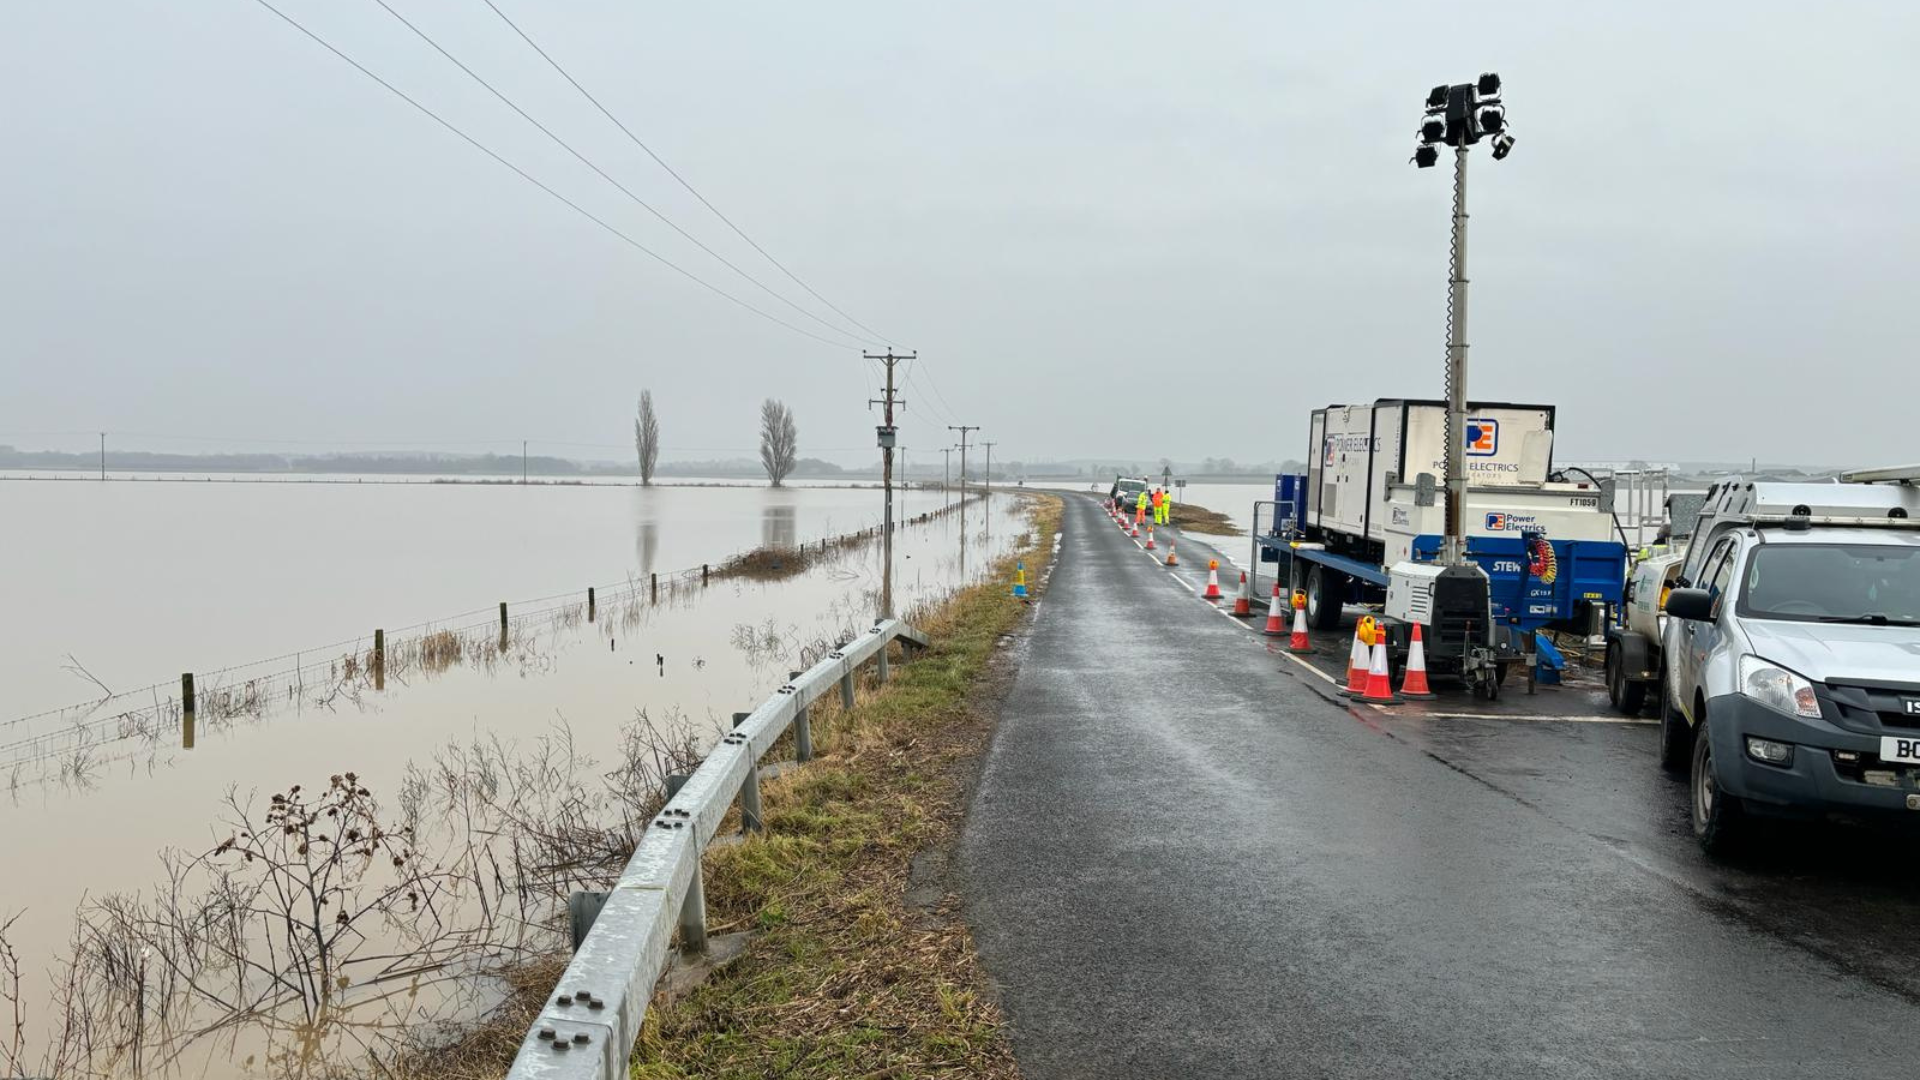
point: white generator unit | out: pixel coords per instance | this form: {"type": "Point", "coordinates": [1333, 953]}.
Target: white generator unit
{"type": "Point", "coordinates": [1361, 451]}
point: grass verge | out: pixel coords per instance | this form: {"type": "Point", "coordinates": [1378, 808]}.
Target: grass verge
{"type": "Point", "coordinates": [856, 968]}
{"type": "Point", "coordinates": [858, 962]}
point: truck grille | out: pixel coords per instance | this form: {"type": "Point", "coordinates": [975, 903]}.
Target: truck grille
{"type": "Point", "coordinates": [1872, 708]}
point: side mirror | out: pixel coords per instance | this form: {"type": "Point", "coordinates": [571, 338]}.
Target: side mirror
{"type": "Point", "coordinates": [1695, 605]}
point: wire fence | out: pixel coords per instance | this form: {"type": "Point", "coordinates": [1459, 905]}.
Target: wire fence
{"type": "Point", "coordinates": [76, 739]}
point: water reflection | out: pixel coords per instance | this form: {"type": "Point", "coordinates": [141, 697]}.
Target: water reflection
{"type": "Point", "coordinates": [779, 526]}
{"type": "Point", "coordinates": [646, 541]}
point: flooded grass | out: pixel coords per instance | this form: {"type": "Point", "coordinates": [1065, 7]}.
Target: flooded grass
{"type": "Point", "coordinates": [1200, 519]}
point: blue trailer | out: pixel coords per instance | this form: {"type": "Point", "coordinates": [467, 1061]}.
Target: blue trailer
{"type": "Point", "coordinates": [1370, 500]}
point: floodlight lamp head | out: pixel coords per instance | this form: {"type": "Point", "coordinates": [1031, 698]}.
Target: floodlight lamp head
{"type": "Point", "coordinates": [1493, 121]}
{"type": "Point", "coordinates": [1488, 85]}
{"type": "Point", "coordinates": [1426, 156]}
{"type": "Point", "coordinates": [1437, 97]}
{"type": "Point", "coordinates": [1502, 146]}
{"type": "Point", "coordinates": [1433, 129]}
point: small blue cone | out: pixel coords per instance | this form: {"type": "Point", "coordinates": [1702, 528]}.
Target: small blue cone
{"type": "Point", "coordinates": [1020, 580]}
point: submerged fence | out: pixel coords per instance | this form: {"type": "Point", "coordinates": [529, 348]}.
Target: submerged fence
{"type": "Point", "coordinates": [592, 1019]}
{"type": "Point", "coordinates": [85, 733]}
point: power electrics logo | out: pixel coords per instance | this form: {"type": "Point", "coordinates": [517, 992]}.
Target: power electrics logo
{"type": "Point", "coordinates": [1483, 438]}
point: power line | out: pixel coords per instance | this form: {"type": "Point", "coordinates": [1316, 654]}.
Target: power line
{"type": "Point", "coordinates": [935, 383]}
{"type": "Point", "coordinates": [624, 190]}
{"type": "Point", "coordinates": [524, 175]}
{"type": "Point", "coordinates": [940, 411]}
{"type": "Point", "coordinates": [635, 139]}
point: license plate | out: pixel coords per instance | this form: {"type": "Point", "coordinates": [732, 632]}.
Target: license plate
{"type": "Point", "coordinates": [1896, 749]}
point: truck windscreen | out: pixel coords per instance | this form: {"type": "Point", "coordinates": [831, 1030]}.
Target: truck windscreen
{"type": "Point", "coordinates": [1875, 584]}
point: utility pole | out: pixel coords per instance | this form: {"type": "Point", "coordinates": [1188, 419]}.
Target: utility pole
{"type": "Point", "coordinates": [946, 467]}
{"type": "Point", "coordinates": [523, 461]}
{"type": "Point", "coordinates": [103, 455]}
{"type": "Point", "coordinates": [989, 447]}
{"type": "Point", "coordinates": [887, 434]}
{"type": "Point", "coordinates": [963, 429]}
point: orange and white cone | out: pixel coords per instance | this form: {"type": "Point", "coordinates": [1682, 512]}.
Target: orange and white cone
{"type": "Point", "coordinates": [1172, 559]}
{"type": "Point", "coordinates": [1212, 591]}
{"type": "Point", "coordinates": [1149, 538]}
{"type": "Point", "coordinates": [1243, 604]}
{"type": "Point", "coordinates": [1357, 662]}
{"type": "Point", "coordinates": [1379, 686]}
{"type": "Point", "coordinates": [1415, 683]}
{"type": "Point", "coordinates": [1136, 528]}
{"type": "Point", "coordinates": [1275, 627]}
{"type": "Point", "coordinates": [1299, 642]}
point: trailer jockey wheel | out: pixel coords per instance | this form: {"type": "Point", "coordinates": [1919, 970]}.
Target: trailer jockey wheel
{"type": "Point", "coordinates": [1489, 688]}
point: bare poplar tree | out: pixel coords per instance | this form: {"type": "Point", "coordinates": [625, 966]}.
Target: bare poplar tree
{"type": "Point", "coordinates": [646, 437]}
{"type": "Point", "coordinates": [779, 440]}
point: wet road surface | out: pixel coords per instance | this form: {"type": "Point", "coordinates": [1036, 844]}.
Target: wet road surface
{"type": "Point", "coordinates": [1185, 861]}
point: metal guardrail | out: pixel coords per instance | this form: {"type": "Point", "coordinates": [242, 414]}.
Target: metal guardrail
{"type": "Point", "coordinates": [589, 1024]}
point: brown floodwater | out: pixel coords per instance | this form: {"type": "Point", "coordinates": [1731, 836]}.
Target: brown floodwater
{"type": "Point", "coordinates": [90, 797]}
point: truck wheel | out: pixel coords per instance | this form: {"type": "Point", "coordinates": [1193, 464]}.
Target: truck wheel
{"type": "Point", "coordinates": [1326, 592]}
{"type": "Point", "coordinates": [1676, 738]}
{"type": "Point", "coordinates": [1625, 694]}
{"type": "Point", "coordinates": [1719, 821]}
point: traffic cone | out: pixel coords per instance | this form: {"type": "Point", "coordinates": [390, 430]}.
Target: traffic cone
{"type": "Point", "coordinates": [1172, 559]}
{"type": "Point", "coordinates": [1274, 626]}
{"type": "Point", "coordinates": [1212, 591]}
{"type": "Point", "coordinates": [1357, 661]}
{"type": "Point", "coordinates": [1243, 604]}
{"type": "Point", "coordinates": [1379, 687]}
{"type": "Point", "coordinates": [1415, 684]}
{"type": "Point", "coordinates": [1149, 538]}
{"type": "Point", "coordinates": [1299, 642]}
{"type": "Point", "coordinates": [1136, 528]}
{"type": "Point", "coordinates": [1020, 580]}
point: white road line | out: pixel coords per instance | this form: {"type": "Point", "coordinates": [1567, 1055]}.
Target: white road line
{"type": "Point", "coordinates": [1553, 719]}
{"type": "Point", "coordinates": [1173, 576]}
{"type": "Point", "coordinates": [1309, 667]}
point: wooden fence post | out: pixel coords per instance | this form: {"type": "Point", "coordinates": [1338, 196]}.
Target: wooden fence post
{"type": "Point", "coordinates": [186, 710]}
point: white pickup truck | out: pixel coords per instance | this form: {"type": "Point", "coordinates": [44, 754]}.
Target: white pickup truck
{"type": "Point", "coordinates": [1790, 653]}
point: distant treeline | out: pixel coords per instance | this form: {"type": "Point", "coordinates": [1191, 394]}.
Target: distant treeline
{"type": "Point", "coordinates": [372, 464]}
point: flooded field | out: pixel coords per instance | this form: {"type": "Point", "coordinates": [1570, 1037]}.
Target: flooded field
{"type": "Point", "coordinates": [169, 576]}
{"type": "Point", "coordinates": [544, 733]}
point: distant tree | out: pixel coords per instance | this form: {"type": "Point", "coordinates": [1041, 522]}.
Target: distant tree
{"type": "Point", "coordinates": [646, 437]}
{"type": "Point", "coordinates": [779, 440]}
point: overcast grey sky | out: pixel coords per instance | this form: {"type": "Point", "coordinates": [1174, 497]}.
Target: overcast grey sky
{"type": "Point", "coordinates": [1113, 230]}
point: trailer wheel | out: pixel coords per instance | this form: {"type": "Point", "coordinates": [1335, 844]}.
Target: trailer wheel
{"type": "Point", "coordinates": [1626, 695]}
{"type": "Point", "coordinates": [1326, 593]}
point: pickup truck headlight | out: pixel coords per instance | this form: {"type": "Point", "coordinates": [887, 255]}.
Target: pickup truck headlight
{"type": "Point", "coordinates": [1777, 688]}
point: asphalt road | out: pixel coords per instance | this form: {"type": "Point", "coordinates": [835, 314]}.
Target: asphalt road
{"type": "Point", "coordinates": [1184, 861]}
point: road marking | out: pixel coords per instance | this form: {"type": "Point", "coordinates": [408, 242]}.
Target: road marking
{"type": "Point", "coordinates": [1323, 675]}
{"type": "Point", "coordinates": [1555, 719]}
{"type": "Point", "coordinates": [1174, 576]}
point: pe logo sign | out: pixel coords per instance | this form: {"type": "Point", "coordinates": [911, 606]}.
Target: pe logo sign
{"type": "Point", "coordinates": [1483, 438]}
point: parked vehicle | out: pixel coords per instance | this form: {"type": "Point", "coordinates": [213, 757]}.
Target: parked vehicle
{"type": "Point", "coordinates": [1791, 653]}
{"type": "Point", "coordinates": [1369, 514]}
{"type": "Point", "coordinates": [1126, 489]}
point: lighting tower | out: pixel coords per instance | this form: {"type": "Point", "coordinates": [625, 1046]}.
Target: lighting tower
{"type": "Point", "coordinates": [1460, 116]}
